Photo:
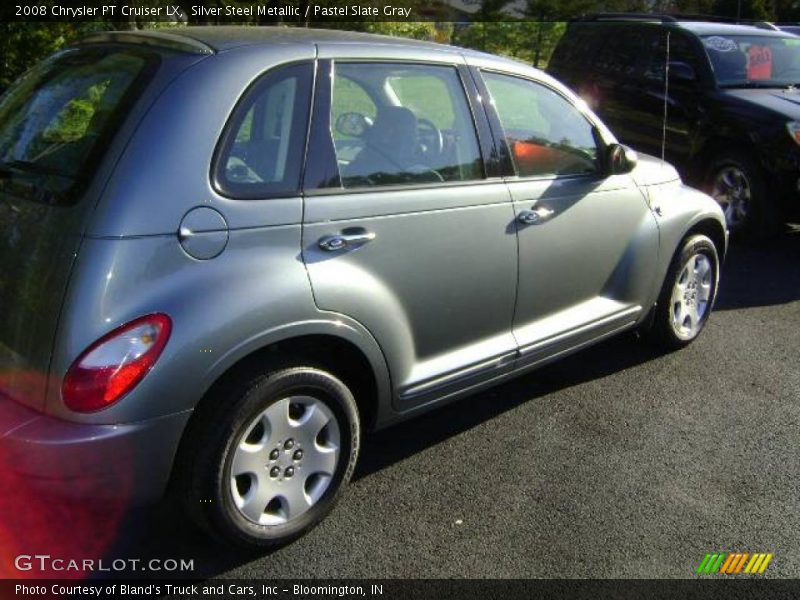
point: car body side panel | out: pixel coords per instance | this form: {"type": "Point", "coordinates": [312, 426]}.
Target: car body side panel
{"type": "Point", "coordinates": [678, 209]}
{"type": "Point", "coordinates": [589, 268]}
{"type": "Point", "coordinates": [586, 267]}
{"type": "Point", "coordinates": [252, 295]}
{"type": "Point", "coordinates": [436, 286]}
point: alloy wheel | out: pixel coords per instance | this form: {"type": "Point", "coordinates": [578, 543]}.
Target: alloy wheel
{"type": "Point", "coordinates": [733, 191]}
{"type": "Point", "coordinates": [691, 295]}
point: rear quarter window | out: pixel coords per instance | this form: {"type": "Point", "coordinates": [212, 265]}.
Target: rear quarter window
{"type": "Point", "coordinates": [261, 152]}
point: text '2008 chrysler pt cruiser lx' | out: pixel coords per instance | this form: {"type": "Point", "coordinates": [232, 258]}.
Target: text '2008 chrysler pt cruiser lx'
{"type": "Point", "coordinates": [226, 252]}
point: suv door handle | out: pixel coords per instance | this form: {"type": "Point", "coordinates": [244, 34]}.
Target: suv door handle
{"type": "Point", "coordinates": [535, 216]}
{"type": "Point", "coordinates": [341, 241]}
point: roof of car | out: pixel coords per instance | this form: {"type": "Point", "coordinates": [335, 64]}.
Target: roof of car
{"type": "Point", "coordinates": [711, 28]}
{"type": "Point", "coordinates": [220, 38]}
{"type": "Point", "coordinates": [697, 24]}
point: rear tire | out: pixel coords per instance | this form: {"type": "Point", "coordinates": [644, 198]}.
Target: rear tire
{"type": "Point", "coordinates": [687, 295]}
{"type": "Point", "coordinates": [268, 462]}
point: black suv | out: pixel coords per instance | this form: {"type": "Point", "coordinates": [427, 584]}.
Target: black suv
{"type": "Point", "coordinates": [729, 94]}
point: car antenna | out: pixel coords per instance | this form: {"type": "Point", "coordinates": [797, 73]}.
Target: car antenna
{"type": "Point", "coordinates": [666, 95]}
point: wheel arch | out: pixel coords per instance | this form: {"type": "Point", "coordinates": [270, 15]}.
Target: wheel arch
{"type": "Point", "coordinates": [346, 351]}
{"type": "Point", "coordinates": [714, 230]}
{"type": "Point", "coordinates": [339, 346]}
{"type": "Point", "coordinates": [714, 147]}
{"type": "Point", "coordinates": [699, 214]}
{"type": "Point", "coordinates": [704, 223]}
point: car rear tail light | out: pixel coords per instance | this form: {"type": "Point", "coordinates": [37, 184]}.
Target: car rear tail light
{"type": "Point", "coordinates": [115, 364]}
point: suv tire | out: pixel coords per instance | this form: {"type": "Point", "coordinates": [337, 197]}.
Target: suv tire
{"type": "Point", "coordinates": [736, 181]}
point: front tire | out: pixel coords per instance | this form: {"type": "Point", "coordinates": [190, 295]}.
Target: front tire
{"type": "Point", "coordinates": [269, 461]}
{"type": "Point", "coordinates": [687, 294]}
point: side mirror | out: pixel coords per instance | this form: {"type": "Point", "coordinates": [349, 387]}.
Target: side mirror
{"type": "Point", "coordinates": [621, 159]}
{"type": "Point", "coordinates": [681, 71]}
{"type": "Point", "coordinates": [353, 124]}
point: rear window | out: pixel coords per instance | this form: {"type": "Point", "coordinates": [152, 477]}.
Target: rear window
{"type": "Point", "coordinates": [58, 119]}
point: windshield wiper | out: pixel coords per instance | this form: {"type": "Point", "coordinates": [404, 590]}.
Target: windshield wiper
{"type": "Point", "coordinates": [756, 85]}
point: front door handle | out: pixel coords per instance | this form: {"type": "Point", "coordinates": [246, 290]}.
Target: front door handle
{"type": "Point", "coordinates": [342, 241]}
{"type": "Point", "coordinates": [535, 216]}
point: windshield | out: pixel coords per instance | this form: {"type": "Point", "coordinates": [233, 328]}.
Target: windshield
{"type": "Point", "coordinates": [754, 60]}
{"type": "Point", "coordinates": [62, 113]}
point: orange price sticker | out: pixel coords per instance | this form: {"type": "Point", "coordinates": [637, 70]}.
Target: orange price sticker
{"type": "Point", "coordinates": [759, 62]}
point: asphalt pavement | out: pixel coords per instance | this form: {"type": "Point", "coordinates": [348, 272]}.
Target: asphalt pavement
{"type": "Point", "coordinates": [616, 462]}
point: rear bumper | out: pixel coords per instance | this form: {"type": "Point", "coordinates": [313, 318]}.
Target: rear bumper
{"type": "Point", "coordinates": [130, 463]}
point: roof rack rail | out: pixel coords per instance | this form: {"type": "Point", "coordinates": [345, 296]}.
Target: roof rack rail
{"type": "Point", "coordinates": [671, 18]}
{"type": "Point", "coordinates": [626, 16]}
{"type": "Point", "coordinates": [731, 20]}
{"type": "Point", "coordinates": [171, 41]}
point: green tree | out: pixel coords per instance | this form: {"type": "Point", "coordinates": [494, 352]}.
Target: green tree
{"type": "Point", "coordinates": [787, 10]}
{"type": "Point", "coordinates": [745, 9]}
{"type": "Point", "coordinates": [23, 44]}
{"type": "Point", "coordinates": [418, 30]}
{"type": "Point", "coordinates": [696, 7]}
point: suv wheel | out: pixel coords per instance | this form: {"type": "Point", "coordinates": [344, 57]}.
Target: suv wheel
{"type": "Point", "coordinates": [687, 295]}
{"type": "Point", "coordinates": [270, 461]}
{"type": "Point", "coordinates": [737, 183]}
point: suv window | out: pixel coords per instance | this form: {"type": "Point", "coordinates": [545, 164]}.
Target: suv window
{"type": "Point", "coordinates": [546, 134]}
{"type": "Point", "coordinates": [63, 111]}
{"type": "Point", "coordinates": [620, 51]}
{"type": "Point", "coordinates": [401, 124]}
{"type": "Point", "coordinates": [261, 152]}
{"type": "Point", "coordinates": [680, 50]}
{"type": "Point", "coordinates": [581, 48]}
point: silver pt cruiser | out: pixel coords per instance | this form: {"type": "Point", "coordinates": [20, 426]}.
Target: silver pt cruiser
{"type": "Point", "coordinates": [227, 252]}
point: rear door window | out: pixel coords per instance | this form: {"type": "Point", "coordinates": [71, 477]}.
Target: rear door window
{"type": "Point", "coordinates": [57, 120]}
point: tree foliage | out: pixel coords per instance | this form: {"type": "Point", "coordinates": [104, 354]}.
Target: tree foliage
{"type": "Point", "coordinates": [24, 44]}
{"type": "Point", "coordinates": [530, 37]}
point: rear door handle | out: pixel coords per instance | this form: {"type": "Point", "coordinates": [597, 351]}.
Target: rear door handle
{"type": "Point", "coordinates": [535, 216]}
{"type": "Point", "coordinates": [342, 241]}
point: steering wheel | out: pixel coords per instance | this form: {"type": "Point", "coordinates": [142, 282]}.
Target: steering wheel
{"type": "Point", "coordinates": [430, 137]}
